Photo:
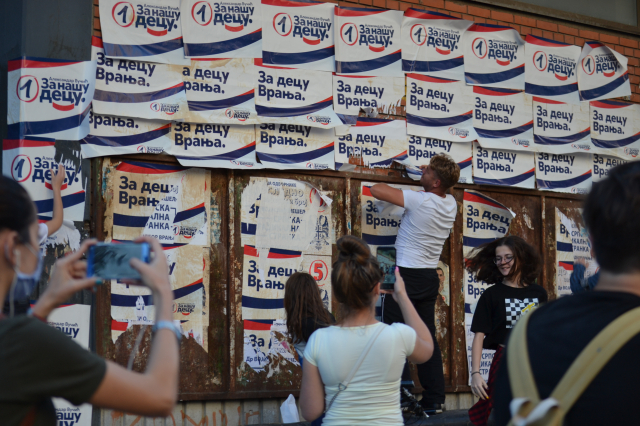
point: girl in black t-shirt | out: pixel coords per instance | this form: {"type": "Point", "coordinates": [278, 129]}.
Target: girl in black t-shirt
{"type": "Point", "coordinates": [512, 265]}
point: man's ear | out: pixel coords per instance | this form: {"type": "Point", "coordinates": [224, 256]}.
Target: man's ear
{"type": "Point", "coordinates": [8, 242]}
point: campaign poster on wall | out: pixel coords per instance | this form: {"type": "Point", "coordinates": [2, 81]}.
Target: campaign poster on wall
{"type": "Point", "coordinates": [502, 167]}
{"type": "Point", "coordinates": [143, 31]}
{"type": "Point", "coordinates": [493, 57]}
{"type": "Point", "coordinates": [265, 341]}
{"type": "Point", "coordinates": [564, 254]}
{"type": "Point", "coordinates": [382, 94]}
{"type": "Point", "coordinates": [137, 89]}
{"type": "Point", "coordinates": [440, 108]}
{"type": "Point", "coordinates": [432, 44]}
{"type": "Point", "coordinates": [422, 149]}
{"type": "Point", "coordinates": [602, 164]}
{"type": "Point", "coordinates": [319, 267]}
{"type": "Point", "coordinates": [551, 69]}
{"type": "Point", "coordinates": [291, 96]}
{"type": "Point", "coordinates": [503, 119]}
{"type": "Point", "coordinates": [615, 128]}
{"type": "Point", "coordinates": [378, 141]}
{"type": "Point", "coordinates": [213, 145]}
{"type": "Point", "coordinates": [220, 91]}
{"type": "Point", "coordinates": [485, 220]}
{"type": "Point", "coordinates": [49, 98]}
{"type": "Point", "coordinates": [285, 146]}
{"type": "Point", "coordinates": [298, 34]}
{"type": "Point", "coordinates": [368, 42]}
{"type": "Point", "coordinates": [229, 29]}
{"type": "Point", "coordinates": [560, 127]}
{"type": "Point", "coordinates": [30, 161]}
{"type": "Point", "coordinates": [569, 173]}
{"type": "Point", "coordinates": [111, 135]}
{"type": "Point", "coordinates": [602, 73]}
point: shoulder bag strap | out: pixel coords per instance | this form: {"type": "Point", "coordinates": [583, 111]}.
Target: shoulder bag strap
{"type": "Point", "coordinates": [345, 383]}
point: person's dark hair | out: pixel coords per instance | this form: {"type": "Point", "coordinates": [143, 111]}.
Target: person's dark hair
{"type": "Point", "coordinates": [302, 302]}
{"type": "Point", "coordinates": [526, 261]}
{"type": "Point", "coordinates": [17, 211]}
{"type": "Point", "coordinates": [440, 269]}
{"type": "Point", "coordinates": [354, 274]}
{"type": "Point", "coordinates": [611, 215]}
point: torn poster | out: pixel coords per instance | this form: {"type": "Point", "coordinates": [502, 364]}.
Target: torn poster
{"type": "Point", "coordinates": [581, 246]}
{"type": "Point", "coordinates": [67, 235]}
{"type": "Point", "coordinates": [143, 31]}
{"type": "Point", "coordinates": [502, 167]}
{"type": "Point", "coordinates": [137, 89]}
{"type": "Point", "coordinates": [291, 96]}
{"type": "Point", "coordinates": [298, 34]}
{"type": "Point", "coordinates": [220, 91]}
{"type": "Point", "coordinates": [422, 149]}
{"type": "Point", "coordinates": [440, 108]}
{"type": "Point", "coordinates": [319, 267]}
{"type": "Point", "coordinates": [564, 254]}
{"type": "Point", "coordinates": [324, 234]}
{"type": "Point", "coordinates": [615, 128]}
{"type": "Point", "coordinates": [30, 161]}
{"type": "Point", "coordinates": [49, 98]}
{"type": "Point", "coordinates": [110, 135]}
{"type": "Point", "coordinates": [228, 146]}
{"type": "Point", "coordinates": [564, 172]}
{"type": "Point", "coordinates": [602, 73]}
{"type": "Point", "coordinates": [602, 164]}
{"type": "Point", "coordinates": [232, 30]}
{"type": "Point", "coordinates": [382, 142]}
{"type": "Point", "coordinates": [285, 146]}
{"type": "Point", "coordinates": [265, 339]}
{"type": "Point", "coordinates": [382, 94]}
{"type": "Point", "coordinates": [561, 128]}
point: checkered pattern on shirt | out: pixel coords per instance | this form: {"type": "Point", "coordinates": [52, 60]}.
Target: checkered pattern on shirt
{"type": "Point", "coordinates": [514, 309]}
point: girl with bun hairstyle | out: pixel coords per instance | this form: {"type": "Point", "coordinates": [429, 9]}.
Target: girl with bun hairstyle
{"type": "Point", "coordinates": [372, 396]}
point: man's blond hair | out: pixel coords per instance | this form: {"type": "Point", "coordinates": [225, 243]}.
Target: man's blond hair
{"type": "Point", "coordinates": [447, 170]}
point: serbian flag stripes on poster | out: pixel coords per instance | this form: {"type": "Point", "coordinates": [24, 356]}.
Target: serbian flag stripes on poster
{"type": "Point", "coordinates": [143, 31]}
{"type": "Point", "coordinates": [284, 147]}
{"type": "Point", "coordinates": [368, 42]}
{"type": "Point", "coordinates": [137, 89]}
{"type": "Point", "coordinates": [382, 141]}
{"type": "Point", "coordinates": [422, 149]}
{"type": "Point", "coordinates": [440, 108]}
{"type": "Point", "coordinates": [298, 34]}
{"type": "Point", "coordinates": [290, 96]}
{"type": "Point", "coordinates": [214, 145]}
{"type": "Point", "coordinates": [124, 135]}
{"type": "Point", "coordinates": [49, 98]}
{"type": "Point", "coordinates": [564, 172]}
{"type": "Point", "coordinates": [615, 128]}
{"type": "Point", "coordinates": [29, 161]}
{"type": "Point", "coordinates": [432, 44]}
{"type": "Point", "coordinates": [602, 73]}
{"type": "Point", "coordinates": [551, 69]}
{"type": "Point", "coordinates": [560, 127]}
{"type": "Point", "coordinates": [503, 118]}
{"type": "Point", "coordinates": [494, 57]}
{"type": "Point", "coordinates": [502, 167]}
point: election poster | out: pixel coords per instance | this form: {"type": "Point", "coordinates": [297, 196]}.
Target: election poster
{"type": "Point", "coordinates": [319, 267]}
{"type": "Point", "coordinates": [502, 167]}
{"type": "Point", "coordinates": [564, 254]}
{"type": "Point", "coordinates": [324, 235]}
{"type": "Point", "coordinates": [264, 341]}
{"type": "Point", "coordinates": [228, 146]}
{"type": "Point", "coordinates": [381, 94]}
{"type": "Point", "coordinates": [493, 57]}
{"type": "Point", "coordinates": [564, 172]}
{"type": "Point", "coordinates": [560, 127]}
{"type": "Point", "coordinates": [368, 42]}
{"type": "Point", "coordinates": [229, 29]}
{"type": "Point", "coordinates": [581, 245]}
{"type": "Point", "coordinates": [551, 69]}
{"type": "Point", "coordinates": [380, 142]}
{"type": "Point", "coordinates": [615, 128]}
{"type": "Point", "coordinates": [432, 44]}
{"type": "Point", "coordinates": [30, 162]}
{"type": "Point", "coordinates": [137, 89]}
{"type": "Point", "coordinates": [285, 146]}
{"type": "Point", "coordinates": [220, 91]}
{"type": "Point", "coordinates": [143, 31]}
{"type": "Point", "coordinates": [485, 220]}
{"type": "Point", "coordinates": [440, 108]}
{"type": "Point", "coordinates": [503, 119]}
{"type": "Point", "coordinates": [298, 34]}
{"type": "Point", "coordinates": [289, 96]}
{"type": "Point", "coordinates": [602, 73]}
{"type": "Point", "coordinates": [421, 150]}
{"type": "Point", "coordinates": [49, 98]}
{"type": "Point", "coordinates": [602, 164]}
{"type": "Point", "coordinates": [74, 321]}
{"type": "Point", "coordinates": [111, 135]}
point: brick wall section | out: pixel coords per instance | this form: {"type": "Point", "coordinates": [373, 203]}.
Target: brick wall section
{"type": "Point", "coordinates": [558, 30]}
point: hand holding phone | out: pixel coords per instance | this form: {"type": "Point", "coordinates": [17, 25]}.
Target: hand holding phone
{"type": "Point", "coordinates": [387, 259]}
{"type": "Point", "coordinates": [110, 261]}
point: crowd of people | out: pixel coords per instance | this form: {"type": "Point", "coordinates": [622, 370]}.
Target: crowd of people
{"type": "Point", "coordinates": [353, 368]}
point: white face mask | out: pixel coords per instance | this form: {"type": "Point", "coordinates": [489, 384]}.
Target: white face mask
{"type": "Point", "coordinates": [23, 284]}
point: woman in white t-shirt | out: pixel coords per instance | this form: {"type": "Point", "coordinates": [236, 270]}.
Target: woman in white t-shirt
{"type": "Point", "coordinates": [373, 395]}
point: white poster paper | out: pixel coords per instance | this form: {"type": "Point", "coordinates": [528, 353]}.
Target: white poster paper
{"type": "Point", "coordinates": [285, 147]}
{"type": "Point", "coordinates": [422, 149]}
{"type": "Point", "coordinates": [602, 165]}
{"type": "Point", "coordinates": [602, 73]}
{"type": "Point", "coordinates": [564, 254]}
{"type": "Point", "coordinates": [564, 172]}
{"type": "Point", "coordinates": [380, 142]}
{"type": "Point", "coordinates": [561, 128]}
{"type": "Point", "coordinates": [615, 128]}
{"type": "Point", "coordinates": [352, 93]}
{"type": "Point", "coordinates": [502, 167]}
{"type": "Point", "coordinates": [319, 267]}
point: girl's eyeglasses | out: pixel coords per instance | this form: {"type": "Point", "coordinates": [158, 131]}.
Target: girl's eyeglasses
{"type": "Point", "coordinates": [498, 260]}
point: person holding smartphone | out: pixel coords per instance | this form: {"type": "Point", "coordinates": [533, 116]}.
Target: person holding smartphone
{"type": "Point", "coordinates": [38, 362]}
{"type": "Point", "coordinates": [426, 223]}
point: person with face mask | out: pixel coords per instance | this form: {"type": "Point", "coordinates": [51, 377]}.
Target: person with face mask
{"type": "Point", "coordinates": [38, 362]}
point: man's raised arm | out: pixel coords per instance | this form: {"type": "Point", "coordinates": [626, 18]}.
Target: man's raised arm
{"type": "Point", "coordinates": [384, 192]}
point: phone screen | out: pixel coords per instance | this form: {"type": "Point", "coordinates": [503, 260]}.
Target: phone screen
{"type": "Point", "coordinates": [111, 261]}
{"type": "Point", "coordinates": [387, 259]}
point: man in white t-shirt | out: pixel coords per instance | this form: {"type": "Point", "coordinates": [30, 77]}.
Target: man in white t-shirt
{"type": "Point", "coordinates": [426, 223]}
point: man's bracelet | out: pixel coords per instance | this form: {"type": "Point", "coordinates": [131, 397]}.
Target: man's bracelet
{"type": "Point", "coordinates": [475, 372]}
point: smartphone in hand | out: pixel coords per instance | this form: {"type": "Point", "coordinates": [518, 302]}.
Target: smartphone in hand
{"type": "Point", "coordinates": [110, 261]}
{"type": "Point", "coordinates": [387, 259]}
